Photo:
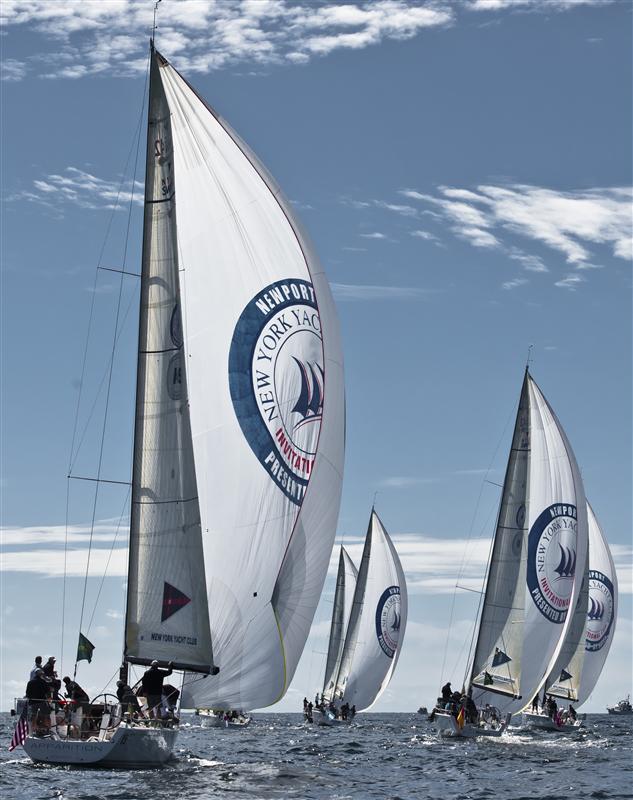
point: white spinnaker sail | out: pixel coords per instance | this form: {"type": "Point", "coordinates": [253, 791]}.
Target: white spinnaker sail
{"type": "Point", "coordinates": [565, 676]}
{"type": "Point", "coordinates": [345, 585]}
{"type": "Point", "coordinates": [167, 612]}
{"type": "Point", "coordinates": [377, 624]}
{"type": "Point", "coordinates": [265, 377]}
{"type": "Point", "coordinates": [546, 556]}
{"type": "Point", "coordinates": [603, 607]}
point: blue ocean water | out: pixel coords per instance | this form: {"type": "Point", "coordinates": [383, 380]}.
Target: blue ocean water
{"type": "Point", "coordinates": [386, 756]}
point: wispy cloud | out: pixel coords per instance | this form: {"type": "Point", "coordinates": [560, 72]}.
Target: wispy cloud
{"type": "Point", "coordinates": [12, 70]}
{"type": "Point", "coordinates": [404, 482]}
{"type": "Point", "coordinates": [78, 187]}
{"type": "Point", "coordinates": [567, 222]}
{"type": "Point", "coordinates": [345, 291]}
{"type": "Point", "coordinates": [513, 284]}
{"type": "Point", "coordinates": [374, 235]}
{"type": "Point", "coordinates": [531, 5]}
{"type": "Point", "coordinates": [203, 35]}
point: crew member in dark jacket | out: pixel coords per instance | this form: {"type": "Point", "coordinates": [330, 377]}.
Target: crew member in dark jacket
{"type": "Point", "coordinates": [127, 698]}
{"type": "Point", "coordinates": [75, 693]}
{"type": "Point", "coordinates": [37, 692]}
{"type": "Point", "coordinates": [152, 687]}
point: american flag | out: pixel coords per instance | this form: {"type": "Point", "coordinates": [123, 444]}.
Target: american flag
{"type": "Point", "coordinates": [21, 731]}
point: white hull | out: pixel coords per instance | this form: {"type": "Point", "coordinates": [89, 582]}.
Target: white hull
{"type": "Point", "coordinates": [448, 726]}
{"type": "Point", "coordinates": [132, 747]}
{"type": "Point", "coordinates": [619, 712]}
{"type": "Point", "coordinates": [327, 719]}
{"type": "Point", "coordinates": [208, 719]}
{"type": "Point", "coordinates": [545, 723]}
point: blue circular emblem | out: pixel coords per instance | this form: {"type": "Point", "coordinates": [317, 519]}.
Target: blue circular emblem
{"type": "Point", "coordinates": [551, 560]}
{"type": "Point", "coordinates": [600, 610]}
{"type": "Point", "coordinates": [277, 381]}
{"type": "Point", "coordinates": [388, 620]}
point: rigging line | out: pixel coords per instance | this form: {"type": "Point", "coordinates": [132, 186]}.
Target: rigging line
{"type": "Point", "coordinates": [110, 372]}
{"type": "Point", "coordinates": [105, 571]}
{"type": "Point", "coordinates": [61, 650]}
{"type": "Point", "coordinates": [98, 393]}
{"type": "Point", "coordinates": [115, 208]}
{"type": "Point", "coordinates": [468, 539]}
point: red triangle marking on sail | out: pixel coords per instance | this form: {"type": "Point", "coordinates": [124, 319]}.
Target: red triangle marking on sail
{"type": "Point", "coordinates": [173, 600]}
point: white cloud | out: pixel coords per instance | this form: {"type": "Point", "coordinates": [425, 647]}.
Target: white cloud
{"type": "Point", "coordinates": [47, 535]}
{"type": "Point", "coordinates": [532, 5]}
{"type": "Point", "coordinates": [566, 222]}
{"type": "Point", "coordinates": [374, 235]}
{"type": "Point", "coordinates": [570, 282]}
{"type": "Point", "coordinates": [424, 235]}
{"type": "Point", "coordinates": [202, 35]}
{"type": "Point", "coordinates": [12, 70]}
{"type": "Point", "coordinates": [345, 291]}
{"type": "Point", "coordinates": [514, 283]}
{"type": "Point", "coordinates": [78, 187]}
{"type": "Point", "coordinates": [404, 482]}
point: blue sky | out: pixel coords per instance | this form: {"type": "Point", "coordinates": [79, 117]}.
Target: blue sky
{"type": "Point", "coordinates": [465, 173]}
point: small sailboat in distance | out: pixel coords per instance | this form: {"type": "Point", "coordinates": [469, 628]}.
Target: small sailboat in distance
{"type": "Point", "coordinates": [365, 642]}
{"type": "Point", "coordinates": [234, 503]}
{"type": "Point", "coordinates": [586, 647]}
{"type": "Point", "coordinates": [533, 578]}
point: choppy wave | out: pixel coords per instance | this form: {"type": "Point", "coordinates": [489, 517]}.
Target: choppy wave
{"type": "Point", "coordinates": [380, 756]}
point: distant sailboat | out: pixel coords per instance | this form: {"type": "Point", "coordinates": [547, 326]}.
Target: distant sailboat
{"type": "Point", "coordinates": [234, 505]}
{"type": "Point", "coordinates": [365, 642]}
{"type": "Point", "coordinates": [586, 647]}
{"type": "Point", "coordinates": [539, 550]}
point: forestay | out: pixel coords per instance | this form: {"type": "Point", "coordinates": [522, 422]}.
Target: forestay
{"type": "Point", "coordinates": [603, 607]}
{"type": "Point", "coordinates": [538, 560]}
{"type": "Point", "coordinates": [377, 623]}
{"type": "Point", "coordinates": [265, 386]}
{"type": "Point", "coordinates": [167, 612]}
{"type": "Point", "coordinates": [345, 585]}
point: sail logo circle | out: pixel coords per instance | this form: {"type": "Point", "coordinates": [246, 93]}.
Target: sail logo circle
{"type": "Point", "coordinates": [551, 560]}
{"type": "Point", "coordinates": [388, 616]}
{"type": "Point", "coordinates": [277, 381]}
{"type": "Point", "coordinates": [600, 610]}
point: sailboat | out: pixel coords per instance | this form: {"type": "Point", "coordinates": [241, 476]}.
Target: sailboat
{"type": "Point", "coordinates": [586, 647]}
{"type": "Point", "coordinates": [236, 479]}
{"type": "Point", "coordinates": [534, 575]}
{"type": "Point", "coordinates": [366, 634]}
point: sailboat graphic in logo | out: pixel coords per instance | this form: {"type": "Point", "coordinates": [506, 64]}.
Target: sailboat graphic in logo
{"type": "Point", "coordinates": [567, 565]}
{"type": "Point", "coordinates": [310, 402]}
{"type": "Point", "coordinates": [396, 622]}
{"type": "Point", "coordinates": [596, 609]}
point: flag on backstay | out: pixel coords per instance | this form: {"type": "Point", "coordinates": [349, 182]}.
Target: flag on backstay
{"type": "Point", "coordinates": [488, 679]}
{"type": "Point", "coordinates": [85, 648]}
{"type": "Point", "coordinates": [564, 675]}
{"type": "Point", "coordinates": [21, 731]}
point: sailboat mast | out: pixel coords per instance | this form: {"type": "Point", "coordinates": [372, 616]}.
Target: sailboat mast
{"type": "Point", "coordinates": [141, 323]}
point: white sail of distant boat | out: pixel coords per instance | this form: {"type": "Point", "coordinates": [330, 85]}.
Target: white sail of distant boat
{"type": "Point", "coordinates": [239, 429]}
{"type": "Point", "coordinates": [345, 585]}
{"type": "Point", "coordinates": [603, 608]}
{"type": "Point", "coordinates": [537, 563]}
{"type": "Point", "coordinates": [587, 643]}
{"type": "Point", "coordinates": [264, 379]}
{"type": "Point", "coordinates": [377, 622]}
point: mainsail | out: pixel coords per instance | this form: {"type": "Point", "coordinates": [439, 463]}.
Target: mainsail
{"type": "Point", "coordinates": [167, 610]}
{"type": "Point", "coordinates": [537, 563]}
{"type": "Point", "coordinates": [260, 355]}
{"type": "Point", "coordinates": [377, 622]}
{"type": "Point", "coordinates": [345, 586]}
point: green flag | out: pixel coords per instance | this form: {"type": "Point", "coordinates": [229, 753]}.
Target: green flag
{"type": "Point", "coordinates": [487, 679]}
{"type": "Point", "coordinates": [85, 649]}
